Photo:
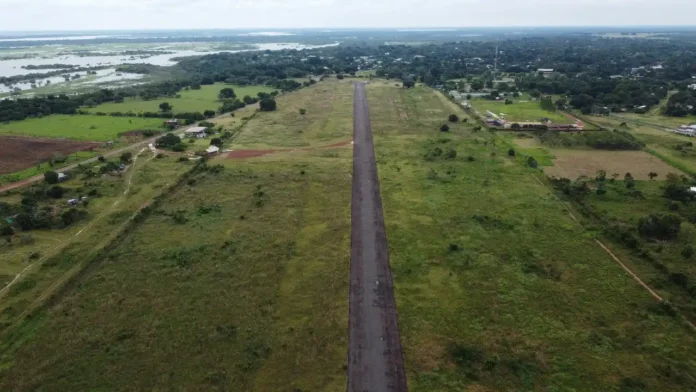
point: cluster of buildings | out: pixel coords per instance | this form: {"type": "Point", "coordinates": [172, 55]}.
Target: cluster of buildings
{"type": "Point", "coordinates": [686, 130]}
{"type": "Point", "coordinates": [495, 120]}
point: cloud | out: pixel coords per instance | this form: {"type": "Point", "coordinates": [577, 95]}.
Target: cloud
{"type": "Point", "coordinates": [202, 14]}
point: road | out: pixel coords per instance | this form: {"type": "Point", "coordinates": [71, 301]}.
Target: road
{"type": "Point", "coordinates": [375, 360]}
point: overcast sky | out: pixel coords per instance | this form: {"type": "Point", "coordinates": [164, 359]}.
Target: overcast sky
{"type": "Point", "coordinates": [251, 14]}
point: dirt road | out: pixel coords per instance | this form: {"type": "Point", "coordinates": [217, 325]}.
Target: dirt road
{"type": "Point", "coordinates": [375, 361]}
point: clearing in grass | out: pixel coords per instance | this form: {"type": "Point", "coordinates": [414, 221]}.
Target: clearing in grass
{"type": "Point", "coordinates": [575, 163]}
{"type": "Point", "coordinates": [519, 111]}
{"type": "Point", "coordinates": [17, 152]}
{"type": "Point", "coordinates": [79, 127]}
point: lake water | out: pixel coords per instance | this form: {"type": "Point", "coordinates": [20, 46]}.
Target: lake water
{"type": "Point", "coordinates": [105, 76]}
{"type": "Point", "coordinates": [14, 67]}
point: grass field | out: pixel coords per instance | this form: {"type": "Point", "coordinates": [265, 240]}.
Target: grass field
{"type": "Point", "coordinates": [327, 107]}
{"type": "Point", "coordinates": [191, 100]}
{"type": "Point", "coordinates": [79, 127]}
{"type": "Point", "coordinates": [497, 287]}
{"type": "Point", "coordinates": [239, 281]}
{"type": "Point", "coordinates": [519, 111]}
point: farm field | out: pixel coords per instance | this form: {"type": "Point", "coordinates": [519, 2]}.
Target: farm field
{"type": "Point", "coordinates": [17, 153]}
{"type": "Point", "coordinates": [78, 127]}
{"type": "Point", "coordinates": [497, 287]}
{"type": "Point", "coordinates": [246, 290]}
{"type": "Point", "coordinates": [573, 163]}
{"type": "Point", "coordinates": [519, 111]}
{"type": "Point", "coordinates": [668, 146]}
{"type": "Point", "coordinates": [191, 100]}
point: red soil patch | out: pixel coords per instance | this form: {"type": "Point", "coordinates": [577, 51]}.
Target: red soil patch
{"type": "Point", "coordinates": [243, 154]}
{"type": "Point", "coordinates": [17, 152]}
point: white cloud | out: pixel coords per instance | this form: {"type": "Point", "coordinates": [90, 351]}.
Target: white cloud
{"type": "Point", "coordinates": [158, 14]}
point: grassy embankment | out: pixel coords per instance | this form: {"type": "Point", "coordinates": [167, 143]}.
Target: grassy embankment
{"type": "Point", "coordinates": [497, 287]}
{"type": "Point", "coordinates": [238, 281]}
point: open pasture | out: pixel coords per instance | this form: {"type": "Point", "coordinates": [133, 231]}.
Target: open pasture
{"type": "Point", "coordinates": [78, 127]}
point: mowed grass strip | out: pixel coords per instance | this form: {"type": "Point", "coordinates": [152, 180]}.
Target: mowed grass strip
{"type": "Point", "coordinates": [328, 119]}
{"type": "Point", "coordinates": [497, 287]}
{"type": "Point", "coordinates": [519, 111]}
{"type": "Point", "coordinates": [206, 98]}
{"type": "Point", "coordinates": [238, 282]}
{"type": "Point", "coordinates": [79, 127]}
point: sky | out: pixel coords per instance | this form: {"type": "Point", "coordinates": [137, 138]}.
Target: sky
{"type": "Point", "coordinates": [22, 15]}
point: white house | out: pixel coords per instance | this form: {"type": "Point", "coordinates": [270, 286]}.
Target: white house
{"type": "Point", "coordinates": [62, 177]}
{"type": "Point", "coordinates": [212, 150]}
{"type": "Point", "coordinates": [195, 132]}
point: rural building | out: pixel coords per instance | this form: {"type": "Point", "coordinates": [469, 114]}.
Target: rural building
{"type": "Point", "coordinates": [212, 150]}
{"type": "Point", "coordinates": [692, 86]}
{"type": "Point", "coordinates": [196, 132]}
{"type": "Point", "coordinates": [692, 189]}
{"type": "Point", "coordinates": [62, 177]}
{"type": "Point", "coordinates": [172, 123]}
{"type": "Point", "coordinates": [546, 72]}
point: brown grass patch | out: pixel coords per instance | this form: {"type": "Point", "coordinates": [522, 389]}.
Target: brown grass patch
{"type": "Point", "coordinates": [17, 152]}
{"type": "Point", "coordinates": [575, 163]}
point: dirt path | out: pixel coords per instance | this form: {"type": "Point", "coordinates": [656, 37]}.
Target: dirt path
{"type": "Point", "coordinates": [375, 361]}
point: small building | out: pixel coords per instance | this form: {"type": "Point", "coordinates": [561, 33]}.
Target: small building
{"type": "Point", "coordinates": [546, 72]}
{"type": "Point", "coordinates": [62, 177]}
{"type": "Point", "coordinates": [692, 189]}
{"type": "Point", "coordinates": [196, 132]}
{"type": "Point", "coordinates": [73, 202]}
{"type": "Point", "coordinates": [686, 130]}
{"type": "Point", "coordinates": [212, 150]}
{"type": "Point", "coordinates": [172, 123]}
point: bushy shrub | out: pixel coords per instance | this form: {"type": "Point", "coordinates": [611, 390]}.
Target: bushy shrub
{"type": "Point", "coordinates": [662, 227]}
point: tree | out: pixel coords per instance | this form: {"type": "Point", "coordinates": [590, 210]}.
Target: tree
{"type": "Point", "coordinates": [444, 128]}
{"type": "Point", "coordinates": [226, 93]}
{"type": "Point", "coordinates": [249, 100]}
{"type": "Point", "coordinates": [7, 231]}
{"type": "Point", "coordinates": [531, 162]}
{"type": "Point", "coordinates": [687, 252]}
{"type": "Point", "coordinates": [630, 182]}
{"type": "Point", "coordinates": [453, 118]}
{"type": "Point", "coordinates": [303, 111]}
{"type": "Point", "coordinates": [167, 141]}
{"type": "Point", "coordinates": [51, 177]}
{"type": "Point", "coordinates": [267, 105]}
{"type": "Point", "coordinates": [601, 175]}
{"type": "Point", "coordinates": [165, 107]}
{"type": "Point", "coordinates": [126, 157]}
{"type": "Point", "coordinates": [515, 127]}
{"type": "Point", "coordinates": [339, 76]}
{"type": "Point", "coordinates": [652, 175]}
{"type": "Point", "coordinates": [468, 97]}
{"type": "Point", "coordinates": [216, 141]}
{"type": "Point", "coordinates": [56, 192]}
{"type": "Point", "coordinates": [90, 103]}
{"type": "Point", "coordinates": [661, 227]}
{"type": "Point", "coordinates": [408, 83]}
{"type": "Point", "coordinates": [209, 113]}
{"type": "Point", "coordinates": [511, 152]}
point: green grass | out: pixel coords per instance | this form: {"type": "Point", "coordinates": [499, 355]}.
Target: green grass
{"type": "Point", "coordinates": [249, 289]}
{"type": "Point", "coordinates": [79, 127]}
{"type": "Point", "coordinates": [529, 290]}
{"type": "Point", "coordinates": [190, 101]}
{"type": "Point", "coordinates": [518, 111]}
{"type": "Point", "coordinates": [328, 119]}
